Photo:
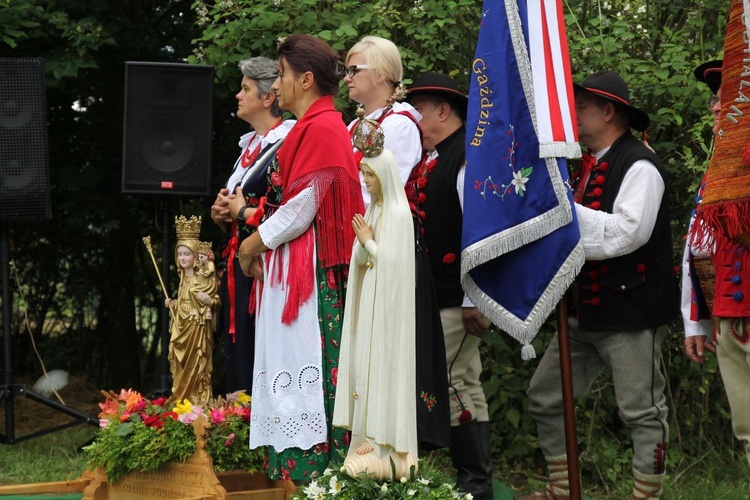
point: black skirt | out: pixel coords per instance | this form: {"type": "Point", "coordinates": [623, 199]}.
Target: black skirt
{"type": "Point", "coordinates": [433, 412]}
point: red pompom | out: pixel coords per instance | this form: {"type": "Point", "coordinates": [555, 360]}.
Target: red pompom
{"type": "Point", "coordinates": [449, 258]}
{"type": "Point", "coordinates": [465, 417]}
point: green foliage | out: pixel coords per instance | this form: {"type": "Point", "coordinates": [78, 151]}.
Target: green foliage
{"type": "Point", "coordinates": [431, 34]}
{"type": "Point", "coordinates": [429, 484]}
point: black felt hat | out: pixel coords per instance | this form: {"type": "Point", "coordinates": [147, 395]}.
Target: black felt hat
{"type": "Point", "coordinates": [710, 74]}
{"type": "Point", "coordinates": [438, 84]}
{"type": "Point", "coordinates": [611, 86]}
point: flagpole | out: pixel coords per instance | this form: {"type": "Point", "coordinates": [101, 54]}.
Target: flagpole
{"type": "Point", "coordinates": [563, 339]}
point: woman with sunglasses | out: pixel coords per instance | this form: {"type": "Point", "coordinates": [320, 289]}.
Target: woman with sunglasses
{"type": "Point", "coordinates": [373, 75]}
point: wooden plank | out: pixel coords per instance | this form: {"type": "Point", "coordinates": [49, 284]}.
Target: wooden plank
{"type": "Point", "coordinates": [74, 485]}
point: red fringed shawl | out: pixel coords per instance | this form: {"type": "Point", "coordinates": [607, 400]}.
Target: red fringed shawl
{"type": "Point", "coordinates": [317, 153]}
{"type": "Point", "coordinates": [725, 209]}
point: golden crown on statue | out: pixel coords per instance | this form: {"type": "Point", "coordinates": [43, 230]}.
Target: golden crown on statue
{"type": "Point", "coordinates": [204, 246]}
{"type": "Point", "coordinates": [188, 229]}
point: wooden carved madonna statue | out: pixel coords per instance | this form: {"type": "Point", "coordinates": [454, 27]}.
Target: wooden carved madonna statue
{"type": "Point", "coordinates": [376, 390]}
{"type": "Point", "coordinates": [192, 324]}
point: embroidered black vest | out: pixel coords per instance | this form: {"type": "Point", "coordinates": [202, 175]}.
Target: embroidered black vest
{"type": "Point", "coordinates": [442, 221]}
{"type": "Point", "coordinates": [634, 291]}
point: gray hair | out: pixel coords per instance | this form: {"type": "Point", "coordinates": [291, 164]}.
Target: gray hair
{"type": "Point", "coordinates": [263, 72]}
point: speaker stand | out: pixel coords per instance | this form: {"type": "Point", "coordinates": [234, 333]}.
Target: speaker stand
{"type": "Point", "coordinates": [165, 385]}
{"type": "Point", "coordinates": [10, 390]}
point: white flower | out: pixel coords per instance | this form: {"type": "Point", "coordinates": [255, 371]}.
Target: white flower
{"type": "Point", "coordinates": [641, 9]}
{"type": "Point", "coordinates": [403, 480]}
{"type": "Point", "coordinates": [423, 481]}
{"type": "Point", "coordinates": [334, 486]}
{"type": "Point", "coordinates": [411, 493]}
{"type": "Point", "coordinates": [328, 471]}
{"type": "Point", "coordinates": [315, 491]}
{"type": "Point", "coordinates": [384, 488]}
{"type": "Point", "coordinates": [519, 181]}
{"type": "Point", "coordinates": [469, 496]}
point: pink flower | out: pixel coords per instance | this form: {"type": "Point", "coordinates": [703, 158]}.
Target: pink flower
{"type": "Point", "coordinates": [229, 440]}
{"type": "Point", "coordinates": [217, 416]}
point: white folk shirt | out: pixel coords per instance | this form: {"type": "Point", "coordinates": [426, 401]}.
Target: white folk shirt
{"type": "Point", "coordinates": [629, 226]}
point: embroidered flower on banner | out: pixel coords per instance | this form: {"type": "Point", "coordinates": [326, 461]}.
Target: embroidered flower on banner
{"type": "Point", "coordinates": [520, 176]}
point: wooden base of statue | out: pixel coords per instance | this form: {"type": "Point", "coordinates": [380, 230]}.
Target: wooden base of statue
{"type": "Point", "coordinates": [193, 480]}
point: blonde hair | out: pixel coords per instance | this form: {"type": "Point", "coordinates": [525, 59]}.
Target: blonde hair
{"type": "Point", "coordinates": [382, 56]}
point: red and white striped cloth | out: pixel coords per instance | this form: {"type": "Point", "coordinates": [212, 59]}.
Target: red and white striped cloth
{"type": "Point", "coordinates": [553, 89]}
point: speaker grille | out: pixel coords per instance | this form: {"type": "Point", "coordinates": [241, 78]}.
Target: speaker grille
{"type": "Point", "coordinates": [167, 133]}
{"type": "Point", "coordinates": [24, 170]}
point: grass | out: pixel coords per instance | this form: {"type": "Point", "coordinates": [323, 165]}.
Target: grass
{"type": "Point", "coordinates": [713, 476]}
{"type": "Point", "coordinates": [53, 457]}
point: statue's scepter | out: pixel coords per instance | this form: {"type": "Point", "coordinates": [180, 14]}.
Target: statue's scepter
{"type": "Point", "coordinates": [147, 242]}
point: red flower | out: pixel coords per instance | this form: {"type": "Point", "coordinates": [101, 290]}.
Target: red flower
{"type": "Point", "coordinates": [291, 464]}
{"type": "Point", "coordinates": [330, 279]}
{"type": "Point", "coordinates": [254, 201]}
{"type": "Point", "coordinates": [465, 417]}
{"type": "Point", "coordinates": [347, 437]}
{"type": "Point", "coordinates": [449, 258]}
{"type": "Point", "coordinates": [159, 401]}
{"type": "Point", "coordinates": [335, 376]}
{"type": "Point", "coordinates": [276, 179]}
{"type": "Point", "coordinates": [169, 414]}
{"type": "Point", "coordinates": [421, 198]}
{"type": "Point", "coordinates": [152, 421]}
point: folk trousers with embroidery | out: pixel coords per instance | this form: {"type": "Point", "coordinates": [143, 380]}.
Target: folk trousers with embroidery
{"type": "Point", "coordinates": [464, 368]}
{"type": "Point", "coordinates": [733, 353]}
{"type": "Point", "coordinates": [634, 359]}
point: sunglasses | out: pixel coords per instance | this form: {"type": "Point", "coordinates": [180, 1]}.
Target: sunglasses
{"type": "Point", "coordinates": [354, 68]}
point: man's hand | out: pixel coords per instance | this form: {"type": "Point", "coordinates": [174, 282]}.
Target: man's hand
{"type": "Point", "coordinates": [474, 323]}
{"type": "Point", "coordinates": [695, 348]}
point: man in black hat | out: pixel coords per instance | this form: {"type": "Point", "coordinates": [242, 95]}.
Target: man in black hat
{"type": "Point", "coordinates": [725, 300]}
{"type": "Point", "coordinates": [435, 187]}
{"type": "Point", "coordinates": [697, 298]}
{"type": "Point", "coordinates": [626, 293]}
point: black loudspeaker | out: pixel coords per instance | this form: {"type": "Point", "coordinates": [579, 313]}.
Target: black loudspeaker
{"type": "Point", "coordinates": [24, 159]}
{"type": "Point", "coordinates": [167, 132]}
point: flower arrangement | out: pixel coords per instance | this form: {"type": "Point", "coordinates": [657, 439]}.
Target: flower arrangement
{"type": "Point", "coordinates": [339, 485]}
{"type": "Point", "coordinates": [138, 434]}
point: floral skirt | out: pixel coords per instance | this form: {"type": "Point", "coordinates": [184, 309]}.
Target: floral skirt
{"type": "Point", "coordinates": [303, 465]}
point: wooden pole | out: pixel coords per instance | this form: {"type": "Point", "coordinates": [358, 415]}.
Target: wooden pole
{"type": "Point", "coordinates": [566, 379]}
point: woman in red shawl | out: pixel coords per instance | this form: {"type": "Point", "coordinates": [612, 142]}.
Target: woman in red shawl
{"type": "Point", "coordinates": [302, 251]}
